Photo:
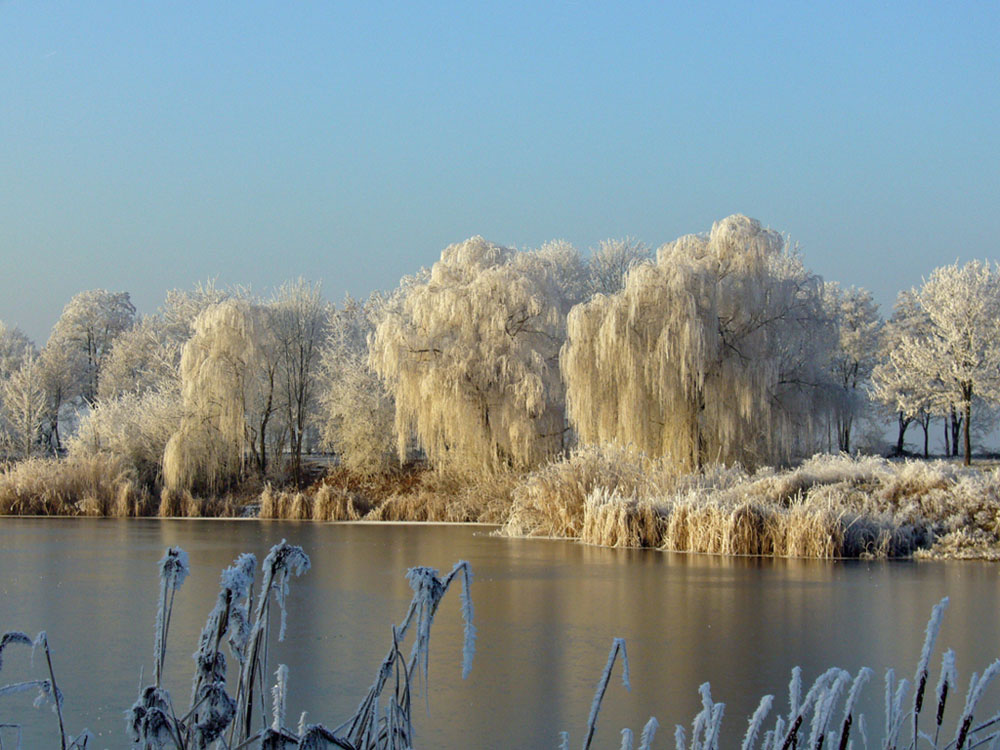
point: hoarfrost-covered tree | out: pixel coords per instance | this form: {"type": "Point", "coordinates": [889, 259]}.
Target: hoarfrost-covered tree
{"type": "Point", "coordinates": [89, 323]}
{"type": "Point", "coordinates": [356, 411]}
{"type": "Point", "coordinates": [900, 392]}
{"type": "Point", "coordinates": [63, 370]}
{"type": "Point", "coordinates": [858, 325]}
{"type": "Point", "coordinates": [719, 351]}
{"type": "Point", "coordinates": [23, 399]}
{"type": "Point", "coordinates": [209, 448]}
{"type": "Point", "coordinates": [182, 306]}
{"type": "Point", "coordinates": [142, 359]}
{"type": "Point", "coordinates": [955, 356]}
{"type": "Point", "coordinates": [298, 320]}
{"type": "Point", "coordinates": [14, 348]}
{"type": "Point", "coordinates": [611, 261]}
{"type": "Point", "coordinates": [471, 356]}
{"type": "Point", "coordinates": [147, 356]}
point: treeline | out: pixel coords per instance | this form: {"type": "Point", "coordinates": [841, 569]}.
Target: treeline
{"type": "Point", "coordinates": [718, 348]}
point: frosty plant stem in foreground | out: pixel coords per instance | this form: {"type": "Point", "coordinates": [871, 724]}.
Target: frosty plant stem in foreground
{"type": "Point", "coordinates": [243, 720]}
{"type": "Point", "coordinates": [812, 721]}
{"type": "Point", "coordinates": [826, 716]}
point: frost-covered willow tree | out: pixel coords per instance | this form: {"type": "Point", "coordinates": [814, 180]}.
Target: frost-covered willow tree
{"type": "Point", "coordinates": [471, 355]}
{"type": "Point", "coordinates": [955, 355]}
{"type": "Point", "coordinates": [209, 448]}
{"type": "Point", "coordinates": [855, 314]}
{"type": "Point", "coordinates": [356, 411]}
{"type": "Point", "coordinates": [718, 352]}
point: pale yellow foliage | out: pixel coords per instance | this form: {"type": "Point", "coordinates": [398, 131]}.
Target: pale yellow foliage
{"type": "Point", "coordinates": [715, 353]}
{"type": "Point", "coordinates": [470, 355]}
{"type": "Point", "coordinates": [209, 448]}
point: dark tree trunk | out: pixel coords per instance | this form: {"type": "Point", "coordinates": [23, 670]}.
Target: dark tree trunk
{"type": "Point", "coordinates": [844, 433]}
{"type": "Point", "coordinates": [904, 422]}
{"type": "Point", "coordinates": [965, 428]}
{"type": "Point", "coordinates": [947, 442]}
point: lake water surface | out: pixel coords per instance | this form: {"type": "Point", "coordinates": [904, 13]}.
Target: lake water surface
{"type": "Point", "coordinates": [546, 612]}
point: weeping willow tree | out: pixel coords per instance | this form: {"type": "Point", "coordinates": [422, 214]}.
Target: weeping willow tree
{"type": "Point", "coordinates": [718, 352]}
{"type": "Point", "coordinates": [470, 355]}
{"type": "Point", "coordinates": [209, 449]}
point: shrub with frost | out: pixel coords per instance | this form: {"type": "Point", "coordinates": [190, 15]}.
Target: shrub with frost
{"type": "Point", "coordinates": [133, 426]}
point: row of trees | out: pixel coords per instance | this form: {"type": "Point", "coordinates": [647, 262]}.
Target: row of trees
{"type": "Point", "coordinates": [722, 347]}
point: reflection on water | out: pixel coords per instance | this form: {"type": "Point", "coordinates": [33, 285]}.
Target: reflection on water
{"type": "Point", "coordinates": [546, 613]}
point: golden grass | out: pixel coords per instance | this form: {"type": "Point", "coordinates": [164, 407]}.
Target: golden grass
{"type": "Point", "coordinates": [338, 504]}
{"type": "Point", "coordinates": [551, 500]}
{"type": "Point", "coordinates": [95, 485]}
{"type": "Point", "coordinates": [829, 506]}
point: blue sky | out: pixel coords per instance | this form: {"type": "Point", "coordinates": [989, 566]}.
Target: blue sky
{"type": "Point", "coordinates": [149, 145]}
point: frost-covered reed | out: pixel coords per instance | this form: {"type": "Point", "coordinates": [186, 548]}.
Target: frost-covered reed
{"type": "Point", "coordinates": [216, 718]}
{"type": "Point", "coordinates": [48, 692]}
{"type": "Point", "coordinates": [826, 716]}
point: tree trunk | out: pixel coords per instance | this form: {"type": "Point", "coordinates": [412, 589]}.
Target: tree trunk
{"type": "Point", "coordinates": [947, 443]}
{"type": "Point", "coordinates": [965, 427]}
{"type": "Point", "coordinates": [956, 430]}
{"type": "Point", "coordinates": [904, 422]}
{"type": "Point", "coordinates": [844, 433]}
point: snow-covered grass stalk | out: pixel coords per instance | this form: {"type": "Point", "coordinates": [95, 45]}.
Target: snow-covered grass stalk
{"type": "Point", "coordinates": [48, 690]}
{"type": "Point", "coordinates": [617, 646]}
{"type": "Point", "coordinates": [243, 721]}
{"type": "Point", "coordinates": [281, 562]}
{"type": "Point", "coordinates": [920, 678]}
{"type": "Point", "coordinates": [174, 569]}
{"type": "Point", "coordinates": [809, 723]}
{"type": "Point", "coordinates": [392, 728]}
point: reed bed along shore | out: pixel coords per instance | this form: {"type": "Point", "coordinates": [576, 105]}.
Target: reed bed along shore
{"type": "Point", "coordinates": [828, 506]}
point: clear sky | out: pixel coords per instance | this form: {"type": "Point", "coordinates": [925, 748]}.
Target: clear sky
{"type": "Point", "coordinates": [148, 145]}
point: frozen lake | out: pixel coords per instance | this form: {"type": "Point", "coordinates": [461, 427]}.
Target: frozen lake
{"type": "Point", "coordinates": [546, 612]}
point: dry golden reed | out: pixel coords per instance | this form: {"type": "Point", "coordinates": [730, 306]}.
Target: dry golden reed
{"type": "Point", "coordinates": [98, 485]}
{"type": "Point", "coordinates": [829, 506]}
